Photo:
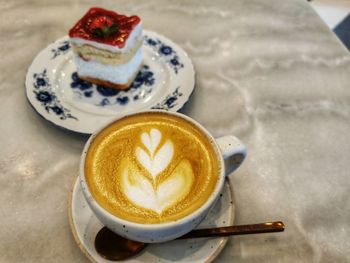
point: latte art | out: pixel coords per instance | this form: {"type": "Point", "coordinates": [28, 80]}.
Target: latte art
{"type": "Point", "coordinates": [151, 168]}
{"type": "Point", "coordinates": [154, 194]}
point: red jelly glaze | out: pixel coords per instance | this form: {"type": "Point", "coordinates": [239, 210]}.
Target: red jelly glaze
{"type": "Point", "coordinates": [125, 25]}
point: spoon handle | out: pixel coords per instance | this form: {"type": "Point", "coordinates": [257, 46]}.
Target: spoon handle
{"type": "Point", "coordinates": [236, 230]}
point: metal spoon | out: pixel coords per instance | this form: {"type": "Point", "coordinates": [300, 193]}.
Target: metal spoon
{"type": "Point", "coordinates": [114, 247]}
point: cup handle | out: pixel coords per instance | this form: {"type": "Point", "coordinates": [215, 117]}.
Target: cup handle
{"type": "Point", "coordinates": [233, 152]}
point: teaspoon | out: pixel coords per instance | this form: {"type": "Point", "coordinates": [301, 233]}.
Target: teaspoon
{"type": "Point", "coordinates": [114, 247]}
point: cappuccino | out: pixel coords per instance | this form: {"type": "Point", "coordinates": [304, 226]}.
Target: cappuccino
{"type": "Point", "coordinates": [151, 168]}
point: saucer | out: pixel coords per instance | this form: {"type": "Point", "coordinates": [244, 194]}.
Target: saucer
{"type": "Point", "coordinates": [85, 226]}
{"type": "Point", "coordinates": [53, 88]}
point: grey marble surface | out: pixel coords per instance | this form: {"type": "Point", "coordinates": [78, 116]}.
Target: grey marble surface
{"type": "Point", "coordinates": [268, 71]}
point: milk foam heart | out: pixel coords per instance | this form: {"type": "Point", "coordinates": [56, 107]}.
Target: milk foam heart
{"type": "Point", "coordinates": [157, 157]}
{"type": "Point", "coordinates": [173, 189]}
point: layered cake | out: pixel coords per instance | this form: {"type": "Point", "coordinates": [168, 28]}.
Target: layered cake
{"type": "Point", "coordinates": [107, 47]}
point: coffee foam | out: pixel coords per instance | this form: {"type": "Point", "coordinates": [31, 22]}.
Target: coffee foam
{"type": "Point", "coordinates": [151, 168]}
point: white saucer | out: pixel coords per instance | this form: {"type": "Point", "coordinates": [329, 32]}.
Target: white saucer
{"type": "Point", "coordinates": [165, 81]}
{"type": "Point", "coordinates": [85, 226]}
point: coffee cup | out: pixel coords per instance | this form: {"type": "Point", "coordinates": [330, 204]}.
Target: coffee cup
{"type": "Point", "coordinates": [153, 176]}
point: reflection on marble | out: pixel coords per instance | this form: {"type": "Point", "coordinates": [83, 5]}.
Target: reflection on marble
{"type": "Point", "coordinates": [268, 71]}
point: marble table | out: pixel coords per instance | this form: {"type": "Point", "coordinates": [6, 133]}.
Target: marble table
{"type": "Point", "coordinates": [268, 71]}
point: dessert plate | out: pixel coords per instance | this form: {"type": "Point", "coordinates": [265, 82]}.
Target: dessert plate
{"type": "Point", "coordinates": [85, 226]}
{"type": "Point", "coordinates": [53, 88]}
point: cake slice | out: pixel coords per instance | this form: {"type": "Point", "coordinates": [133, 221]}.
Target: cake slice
{"type": "Point", "coordinates": [107, 47]}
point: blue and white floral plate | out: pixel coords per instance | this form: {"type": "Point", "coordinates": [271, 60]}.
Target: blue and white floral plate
{"type": "Point", "coordinates": [54, 89]}
{"type": "Point", "coordinates": [85, 226]}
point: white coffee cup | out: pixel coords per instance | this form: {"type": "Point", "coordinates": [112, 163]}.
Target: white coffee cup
{"type": "Point", "coordinates": [230, 154]}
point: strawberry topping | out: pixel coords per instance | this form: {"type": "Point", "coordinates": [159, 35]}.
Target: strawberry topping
{"type": "Point", "coordinates": [105, 27]}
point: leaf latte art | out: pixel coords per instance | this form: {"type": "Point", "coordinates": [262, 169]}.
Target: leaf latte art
{"type": "Point", "coordinates": [151, 168]}
{"type": "Point", "coordinates": [155, 158]}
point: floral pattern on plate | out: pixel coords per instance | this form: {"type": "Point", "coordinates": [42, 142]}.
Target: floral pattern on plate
{"type": "Point", "coordinates": [166, 51]}
{"type": "Point", "coordinates": [47, 98]}
{"type": "Point", "coordinates": [61, 49]}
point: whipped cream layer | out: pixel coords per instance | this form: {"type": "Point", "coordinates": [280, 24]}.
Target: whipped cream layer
{"type": "Point", "coordinates": [135, 35]}
{"type": "Point", "coordinates": [118, 74]}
